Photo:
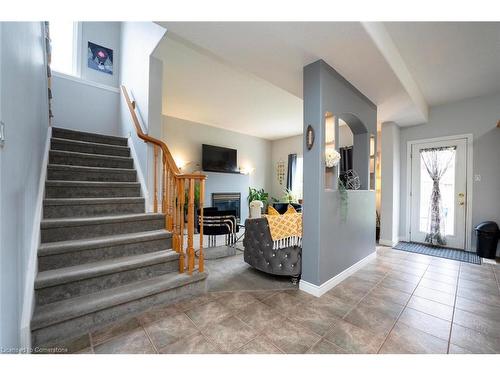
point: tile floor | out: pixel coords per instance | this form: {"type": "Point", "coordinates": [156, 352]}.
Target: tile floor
{"type": "Point", "coordinates": [398, 303]}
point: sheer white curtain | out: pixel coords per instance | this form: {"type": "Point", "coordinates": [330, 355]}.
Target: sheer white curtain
{"type": "Point", "coordinates": [436, 162]}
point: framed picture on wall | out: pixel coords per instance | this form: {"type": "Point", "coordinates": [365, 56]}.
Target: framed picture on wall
{"type": "Point", "coordinates": [100, 58]}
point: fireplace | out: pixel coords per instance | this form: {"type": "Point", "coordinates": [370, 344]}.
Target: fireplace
{"type": "Point", "coordinates": [228, 201]}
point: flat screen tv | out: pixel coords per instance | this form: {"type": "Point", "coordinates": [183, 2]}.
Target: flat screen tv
{"type": "Point", "coordinates": [219, 159]}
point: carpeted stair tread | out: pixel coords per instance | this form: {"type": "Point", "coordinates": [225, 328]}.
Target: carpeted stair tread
{"type": "Point", "coordinates": [81, 221]}
{"type": "Point", "coordinates": [85, 136]}
{"type": "Point", "coordinates": [95, 158]}
{"type": "Point", "coordinates": [90, 201]}
{"type": "Point", "coordinates": [92, 148]}
{"type": "Point", "coordinates": [62, 247]}
{"type": "Point", "coordinates": [60, 311]}
{"type": "Point", "coordinates": [65, 275]}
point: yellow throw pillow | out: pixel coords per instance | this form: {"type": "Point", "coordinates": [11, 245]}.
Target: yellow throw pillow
{"type": "Point", "coordinates": [272, 211]}
{"type": "Point", "coordinates": [290, 210]}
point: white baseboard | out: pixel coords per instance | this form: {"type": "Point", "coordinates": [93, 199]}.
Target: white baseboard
{"type": "Point", "coordinates": [29, 284]}
{"type": "Point", "coordinates": [389, 243]}
{"type": "Point", "coordinates": [140, 175]}
{"type": "Point", "coordinates": [318, 291]}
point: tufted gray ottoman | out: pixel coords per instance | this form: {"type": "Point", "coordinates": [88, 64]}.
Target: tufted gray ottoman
{"type": "Point", "coordinates": [259, 252]}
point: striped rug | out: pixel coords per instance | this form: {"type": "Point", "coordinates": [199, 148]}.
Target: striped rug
{"type": "Point", "coordinates": [440, 252]}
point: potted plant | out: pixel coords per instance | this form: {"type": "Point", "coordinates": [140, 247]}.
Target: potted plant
{"type": "Point", "coordinates": [255, 194]}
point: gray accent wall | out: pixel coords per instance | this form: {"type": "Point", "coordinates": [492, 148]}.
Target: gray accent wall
{"type": "Point", "coordinates": [185, 138]}
{"type": "Point", "coordinates": [476, 116]}
{"type": "Point", "coordinates": [332, 244]}
{"type": "Point", "coordinates": [24, 109]}
{"type": "Point", "coordinates": [280, 149]}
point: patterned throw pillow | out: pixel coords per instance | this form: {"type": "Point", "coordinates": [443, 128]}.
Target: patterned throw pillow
{"type": "Point", "coordinates": [290, 210]}
{"type": "Point", "coordinates": [272, 211]}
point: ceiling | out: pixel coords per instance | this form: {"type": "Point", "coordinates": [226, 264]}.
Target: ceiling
{"type": "Point", "coordinates": [450, 60]}
{"type": "Point", "coordinates": [201, 88]}
{"type": "Point", "coordinates": [402, 67]}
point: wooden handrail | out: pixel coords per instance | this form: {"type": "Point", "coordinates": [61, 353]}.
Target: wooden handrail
{"type": "Point", "coordinates": [174, 185]}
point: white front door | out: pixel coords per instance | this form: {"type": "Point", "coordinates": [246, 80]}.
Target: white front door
{"type": "Point", "coordinates": [446, 162]}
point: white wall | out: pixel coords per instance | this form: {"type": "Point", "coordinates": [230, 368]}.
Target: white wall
{"type": "Point", "coordinates": [142, 75]}
{"type": "Point", "coordinates": [82, 106]}
{"type": "Point", "coordinates": [280, 149]}
{"type": "Point", "coordinates": [479, 117]}
{"type": "Point", "coordinates": [105, 34]}
{"type": "Point", "coordinates": [25, 113]}
{"type": "Point", "coordinates": [390, 178]}
{"type": "Point", "coordinates": [184, 139]}
{"type": "Point", "coordinates": [90, 102]}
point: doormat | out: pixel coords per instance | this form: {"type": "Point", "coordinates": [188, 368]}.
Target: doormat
{"type": "Point", "coordinates": [440, 252]}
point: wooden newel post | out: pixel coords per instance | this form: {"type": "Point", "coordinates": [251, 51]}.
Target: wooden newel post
{"type": "Point", "coordinates": [190, 244]}
{"type": "Point", "coordinates": [201, 261]}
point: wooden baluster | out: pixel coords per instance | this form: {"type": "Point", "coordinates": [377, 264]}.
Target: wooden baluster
{"type": "Point", "coordinates": [174, 218]}
{"type": "Point", "coordinates": [164, 192]}
{"type": "Point", "coordinates": [190, 228]}
{"type": "Point", "coordinates": [171, 201]}
{"type": "Point", "coordinates": [201, 261]}
{"type": "Point", "coordinates": [155, 198]}
{"type": "Point", "coordinates": [181, 227]}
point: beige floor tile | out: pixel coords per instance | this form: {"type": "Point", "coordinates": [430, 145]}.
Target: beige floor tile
{"type": "Point", "coordinates": [156, 313]}
{"type": "Point", "coordinates": [474, 341]}
{"type": "Point", "coordinates": [452, 272]}
{"type": "Point", "coordinates": [347, 294]}
{"type": "Point", "coordinates": [169, 329]}
{"type": "Point", "coordinates": [291, 338]}
{"type": "Point", "coordinates": [332, 306]}
{"type": "Point", "coordinates": [208, 313]}
{"type": "Point", "coordinates": [441, 278]}
{"type": "Point", "coordinates": [325, 347]}
{"type": "Point", "coordinates": [353, 339]}
{"type": "Point", "coordinates": [316, 319]}
{"type": "Point", "coordinates": [263, 294]}
{"type": "Point", "coordinates": [230, 334]}
{"type": "Point", "coordinates": [426, 323]}
{"type": "Point", "coordinates": [455, 349]}
{"type": "Point", "coordinates": [433, 308]}
{"type": "Point", "coordinates": [435, 295]}
{"type": "Point", "coordinates": [373, 317]}
{"type": "Point", "coordinates": [282, 301]}
{"type": "Point", "coordinates": [488, 311]}
{"type": "Point", "coordinates": [437, 285]}
{"type": "Point", "coordinates": [404, 286]}
{"type": "Point", "coordinates": [405, 339]}
{"type": "Point", "coordinates": [482, 298]}
{"type": "Point", "coordinates": [190, 303]}
{"type": "Point", "coordinates": [477, 322]}
{"type": "Point", "coordinates": [135, 342]}
{"type": "Point", "coordinates": [260, 345]}
{"type": "Point", "coordinates": [390, 295]}
{"type": "Point", "coordinates": [260, 316]}
{"type": "Point", "coordinates": [236, 300]}
{"type": "Point", "coordinates": [194, 344]}
{"type": "Point", "coordinates": [113, 330]}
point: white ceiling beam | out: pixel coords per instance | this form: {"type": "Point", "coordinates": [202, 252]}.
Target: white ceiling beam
{"type": "Point", "coordinates": [382, 39]}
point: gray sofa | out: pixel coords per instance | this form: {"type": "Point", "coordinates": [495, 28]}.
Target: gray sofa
{"type": "Point", "coordinates": [259, 252]}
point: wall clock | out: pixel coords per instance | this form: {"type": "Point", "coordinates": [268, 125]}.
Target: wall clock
{"type": "Point", "coordinates": [309, 137]}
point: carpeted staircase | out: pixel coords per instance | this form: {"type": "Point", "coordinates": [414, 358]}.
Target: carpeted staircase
{"type": "Point", "coordinates": [102, 258]}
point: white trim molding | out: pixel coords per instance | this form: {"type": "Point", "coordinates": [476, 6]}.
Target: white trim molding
{"type": "Point", "coordinates": [29, 284]}
{"type": "Point", "coordinates": [469, 177]}
{"type": "Point", "coordinates": [85, 82]}
{"type": "Point", "coordinates": [389, 243]}
{"type": "Point", "coordinates": [318, 291]}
